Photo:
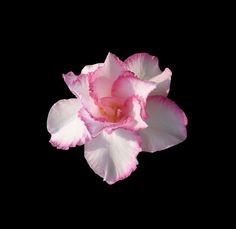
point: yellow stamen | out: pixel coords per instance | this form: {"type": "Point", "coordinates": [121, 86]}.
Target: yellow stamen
{"type": "Point", "coordinates": [114, 116]}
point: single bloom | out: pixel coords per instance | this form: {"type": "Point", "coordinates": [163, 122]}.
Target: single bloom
{"type": "Point", "coordinates": [120, 109]}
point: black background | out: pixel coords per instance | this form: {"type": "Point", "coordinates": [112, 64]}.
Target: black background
{"type": "Point", "coordinates": [53, 41]}
{"type": "Point", "coordinates": [172, 169]}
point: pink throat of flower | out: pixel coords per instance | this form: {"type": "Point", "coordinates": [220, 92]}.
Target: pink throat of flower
{"type": "Point", "coordinates": [111, 108]}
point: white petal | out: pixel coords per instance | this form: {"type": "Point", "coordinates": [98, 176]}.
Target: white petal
{"type": "Point", "coordinates": [162, 83]}
{"type": "Point", "coordinates": [143, 65]}
{"type": "Point", "coordinates": [91, 68]}
{"type": "Point", "coordinates": [64, 125]}
{"type": "Point", "coordinates": [166, 125]}
{"type": "Point", "coordinates": [147, 67]}
{"type": "Point", "coordinates": [113, 156]}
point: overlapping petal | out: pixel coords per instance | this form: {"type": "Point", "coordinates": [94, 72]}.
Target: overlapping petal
{"type": "Point", "coordinates": [113, 155]}
{"type": "Point", "coordinates": [146, 67]}
{"type": "Point", "coordinates": [166, 125]}
{"type": "Point", "coordinates": [132, 118]}
{"type": "Point", "coordinates": [104, 76]}
{"type": "Point", "coordinates": [128, 85]}
{"type": "Point", "coordinates": [143, 65]}
{"type": "Point", "coordinates": [162, 83]}
{"type": "Point", "coordinates": [134, 109]}
{"type": "Point", "coordinates": [64, 125]}
{"type": "Point", "coordinates": [80, 87]}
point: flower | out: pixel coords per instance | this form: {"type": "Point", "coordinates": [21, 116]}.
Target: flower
{"type": "Point", "coordinates": [120, 109]}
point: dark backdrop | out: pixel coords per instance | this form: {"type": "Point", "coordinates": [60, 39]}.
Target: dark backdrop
{"type": "Point", "coordinates": [43, 41]}
{"type": "Point", "coordinates": [60, 41]}
{"type": "Point", "coordinates": [173, 169]}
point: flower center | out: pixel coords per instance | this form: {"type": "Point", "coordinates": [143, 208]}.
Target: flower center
{"type": "Point", "coordinates": [111, 108]}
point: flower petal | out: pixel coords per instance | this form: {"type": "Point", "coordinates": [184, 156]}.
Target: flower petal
{"type": "Point", "coordinates": [91, 68]}
{"type": "Point", "coordinates": [143, 65]}
{"type": "Point", "coordinates": [70, 78]}
{"type": "Point", "coordinates": [133, 114]}
{"type": "Point", "coordinates": [80, 87]}
{"type": "Point", "coordinates": [113, 67]}
{"type": "Point", "coordinates": [166, 125]}
{"type": "Point", "coordinates": [134, 109]}
{"type": "Point", "coordinates": [64, 125]}
{"type": "Point", "coordinates": [96, 125]}
{"type": "Point", "coordinates": [93, 124]}
{"type": "Point", "coordinates": [147, 67]}
{"type": "Point", "coordinates": [127, 85]}
{"type": "Point", "coordinates": [113, 155]}
{"type": "Point", "coordinates": [104, 77]}
{"type": "Point", "coordinates": [162, 83]}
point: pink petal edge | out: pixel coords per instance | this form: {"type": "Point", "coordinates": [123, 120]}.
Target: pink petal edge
{"type": "Point", "coordinates": [80, 142]}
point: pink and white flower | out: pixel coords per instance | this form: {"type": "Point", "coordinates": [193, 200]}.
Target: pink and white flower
{"type": "Point", "coordinates": [120, 109]}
